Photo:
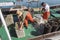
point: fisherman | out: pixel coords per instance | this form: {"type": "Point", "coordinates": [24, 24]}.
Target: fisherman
{"type": "Point", "coordinates": [46, 11]}
{"type": "Point", "coordinates": [27, 18]}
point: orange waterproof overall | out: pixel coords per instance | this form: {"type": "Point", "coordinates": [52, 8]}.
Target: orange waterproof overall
{"type": "Point", "coordinates": [28, 17]}
{"type": "Point", "coordinates": [46, 15]}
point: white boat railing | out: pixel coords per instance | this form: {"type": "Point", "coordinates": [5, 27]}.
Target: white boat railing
{"type": "Point", "coordinates": [5, 26]}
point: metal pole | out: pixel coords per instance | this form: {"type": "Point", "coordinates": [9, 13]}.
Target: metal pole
{"type": "Point", "coordinates": [5, 26]}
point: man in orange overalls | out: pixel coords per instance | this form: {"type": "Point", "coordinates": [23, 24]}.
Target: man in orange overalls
{"type": "Point", "coordinates": [46, 12]}
{"type": "Point", "coordinates": [27, 18]}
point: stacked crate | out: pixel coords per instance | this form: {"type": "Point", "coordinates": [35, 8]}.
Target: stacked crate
{"type": "Point", "coordinates": [9, 19]}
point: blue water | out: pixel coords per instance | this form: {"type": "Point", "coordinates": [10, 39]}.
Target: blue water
{"type": "Point", "coordinates": [34, 4]}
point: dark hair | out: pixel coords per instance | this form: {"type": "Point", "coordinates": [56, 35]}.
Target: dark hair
{"type": "Point", "coordinates": [42, 3]}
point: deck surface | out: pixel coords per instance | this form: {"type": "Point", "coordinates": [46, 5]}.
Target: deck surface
{"type": "Point", "coordinates": [27, 32]}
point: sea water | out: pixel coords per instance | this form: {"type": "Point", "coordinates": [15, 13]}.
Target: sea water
{"type": "Point", "coordinates": [34, 4]}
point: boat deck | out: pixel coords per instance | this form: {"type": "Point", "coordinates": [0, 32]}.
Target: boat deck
{"type": "Point", "coordinates": [28, 32]}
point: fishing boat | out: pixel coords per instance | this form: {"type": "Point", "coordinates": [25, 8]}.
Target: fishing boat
{"type": "Point", "coordinates": [8, 31]}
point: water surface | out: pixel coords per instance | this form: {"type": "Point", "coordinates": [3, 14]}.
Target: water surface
{"type": "Point", "coordinates": [34, 4]}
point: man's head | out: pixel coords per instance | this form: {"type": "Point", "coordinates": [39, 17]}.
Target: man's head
{"type": "Point", "coordinates": [43, 4]}
{"type": "Point", "coordinates": [19, 12]}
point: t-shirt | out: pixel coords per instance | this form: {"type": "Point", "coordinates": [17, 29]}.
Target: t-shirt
{"type": "Point", "coordinates": [47, 8]}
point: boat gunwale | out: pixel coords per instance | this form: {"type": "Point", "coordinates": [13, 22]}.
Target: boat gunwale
{"type": "Point", "coordinates": [45, 35]}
